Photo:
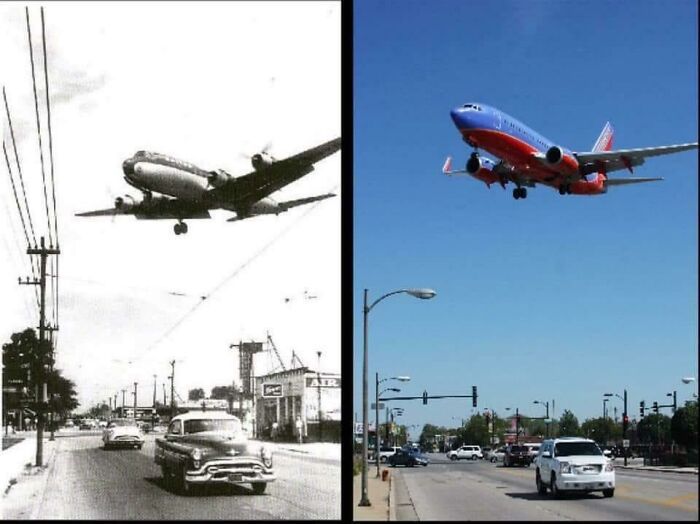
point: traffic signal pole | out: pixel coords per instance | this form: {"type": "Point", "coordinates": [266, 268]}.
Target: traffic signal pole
{"type": "Point", "coordinates": [624, 424]}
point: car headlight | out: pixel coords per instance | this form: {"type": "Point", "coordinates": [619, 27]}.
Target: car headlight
{"type": "Point", "coordinates": [609, 467]}
{"type": "Point", "coordinates": [564, 467]}
{"type": "Point", "coordinates": [196, 454]}
{"type": "Point", "coordinates": [266, 456]}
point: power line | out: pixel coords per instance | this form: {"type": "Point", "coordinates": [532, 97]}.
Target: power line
{"type": "Point", "coordinates": [38, 128]}
{"type": "Point", "coordinates": [48, 111]}
{"type": "Point", "coordinates": [19, 167]}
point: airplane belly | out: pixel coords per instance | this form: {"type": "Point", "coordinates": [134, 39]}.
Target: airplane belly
{"type": "Point", "coordinates": [170, 181]}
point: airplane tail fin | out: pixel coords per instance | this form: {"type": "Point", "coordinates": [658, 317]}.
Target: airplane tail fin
{"type": "Point", "coordinates": [605, 140]}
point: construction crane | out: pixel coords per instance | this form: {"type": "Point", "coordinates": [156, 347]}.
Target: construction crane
{"type": "Point", "coordinates": [269, 339]}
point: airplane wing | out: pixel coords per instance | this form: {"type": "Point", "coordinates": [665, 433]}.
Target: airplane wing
{"type": "Point", "coordinates": [156, 209]}
{"type": "Point", "coordinates": [245, 190]}
{"type": "Point", "coordinates": [624, 181]}
{"type": "Point", "coordinates": [284, 206]}
{"type": "Point", "coordinates": [595, 161]}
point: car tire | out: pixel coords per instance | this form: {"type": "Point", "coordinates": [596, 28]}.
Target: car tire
{"type": "Point", "coordinates": [541, 488]}
{"type": "Point", "coordinates": [556, 492]}
{"type": "Point", "coordinates": [106, 447]}
{"type": "Point", "coordinates": [382, 460]}
{"type": "Point", "coordinates": [453, 457]}
{"type": "Point", "coordinates": [259, 487]}
{"type": "Point", "coordinates": [473, 457]}
{"type": "Point", "coordinates": [493, 459]}
{"type": "Point", "coordinates": [608, 493]}
{"type": "Point", "coordinates": [183, 487]}
{"type": "Point", "coordinates": [165, 473]}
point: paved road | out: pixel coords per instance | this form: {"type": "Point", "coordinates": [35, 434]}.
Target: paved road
{"type": "Point", "coordinates": [478, 490]}
{"type": "Point", "coordinates": [87, 482]}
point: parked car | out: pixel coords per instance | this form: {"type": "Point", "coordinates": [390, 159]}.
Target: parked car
{"type": "Point", "coordinates": [403, 457]}
{"type": "Point", "coordinates": [498, 455]}
{"type": "Point", "coordinates": [516, 454]}
{"type": "Point", "coordinates": [88, 424]}
{"type": "Point", "coordinates": [203, 447]}
{"type": "Point", "coordinates": [573, 464]}
{"type": "Point", "coordinates": [385, 452]}
{"type": "Point", "coordinates": [533, 449]}
{"type": "Point", "coordinates": [122, 432]}
{"type": "Point", "coordinates": [486, 451]}
{"type": "Point", "coordinates": [465, 452]}
{"type": "Point", "coordinates": [69, 424]}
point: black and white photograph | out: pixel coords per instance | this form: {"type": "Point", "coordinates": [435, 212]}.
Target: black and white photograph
{"type": "Point", "coordinates": [171, 260]}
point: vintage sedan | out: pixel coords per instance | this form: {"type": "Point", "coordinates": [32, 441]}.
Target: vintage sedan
{"type": "Point", "coordinates": [203, 447]}
{"type": "Point", "coordinates": [123, 433]}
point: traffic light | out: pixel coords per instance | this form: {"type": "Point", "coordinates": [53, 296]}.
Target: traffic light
{"type": "Point", "coordinates": [425, 397]}
{"type": "Point", "coordinates": [641, 409]}
{"type": "Point", "coordinates": [474, 396]}
{"type": "Point", "coordinates": [625, 419]}
{"type": "Point", "coordinates": [656, 407]}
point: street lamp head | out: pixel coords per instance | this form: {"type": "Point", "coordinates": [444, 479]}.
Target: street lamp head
{"type": "Point", "coordinates": [395, 390]}
{"type": "Point", "coordinates": [423, 293]}
{"type": "Point", "coordinates": [403, 378]}
{"type": "Point", "coordinates": [535, 401]}
{"type": "Point", "coordinates": [608, 394]}
{"type": "Point", "coordinates": [688, 380]}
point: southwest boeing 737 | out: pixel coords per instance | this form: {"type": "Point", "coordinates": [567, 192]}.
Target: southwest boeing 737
{"type": "Point", "coordinates": [527, 158]}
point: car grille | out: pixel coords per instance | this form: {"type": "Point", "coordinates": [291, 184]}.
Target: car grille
{"type": "Point", "coordinates": [224, 470]}
{"type": "Point", "coordinates": [588, 469]}
{"type": "Point", "coordinates": [126, 437]}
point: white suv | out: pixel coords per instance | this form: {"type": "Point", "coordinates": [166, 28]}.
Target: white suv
{"type": "Point", "coordinates": [573, 464]}
{"type": "Point", "coordinates": [465, 452]}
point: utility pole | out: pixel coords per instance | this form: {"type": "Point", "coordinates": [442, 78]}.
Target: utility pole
{"type": "Point", "coordinates": [165, 398]}
{"type": "Point", "coordinates": [136, 384]}
{"type": "Point", "coordinates": [43, 252]}
{"type": "Point", "coordinates": [320, 418]}
{"type": "Point", "coordinates": [517, 425]}
{"type": "Point", "coordinates": [624, 424]}
{"type": "Point", "coordinates": [172, 389]}
{"type": "Point", "coordinates": [115, 402]}
{"type": "Point", "coordinates": [153, 413]}
{"type": "Point", "coordinates": [123, 402]}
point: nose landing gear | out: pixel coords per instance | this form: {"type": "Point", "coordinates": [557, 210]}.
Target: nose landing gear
{"type": "Point", "coordinates": [180, 228]}
{"type": "Point", "coordinates": [519, 192]}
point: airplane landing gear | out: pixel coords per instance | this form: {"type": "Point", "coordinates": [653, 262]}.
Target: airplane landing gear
{"type": "Point", "coordinates": [147, 196]}
{"type": "Point", "coordinates": [565, 189]}
{"type": "Point", "coordinates": [180, 228]}
{"type": "Point", "coordinates": [519, 192]}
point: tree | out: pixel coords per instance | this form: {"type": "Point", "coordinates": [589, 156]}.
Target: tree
{"type": "Point", "coordinates": [654, 429]}
{"type": "Point", "coordinates": [684, 426]}
{"type": "Point", "coordinates": [64, 395]}
{"type": "Point", "coordinates": [601, 430]}
{"type": "Point", "coordinates": [223, 392]}
{"type": "Point", "coordinates": [533, 426]}
{"type": "Point", "coordinates": [195, 394]}
{"type": "Point", "coordinates": [568, 425]}
{"type": "Point", "coordinates": [427, 436]}
{"type": "Point", "coordinates": [475, 431]}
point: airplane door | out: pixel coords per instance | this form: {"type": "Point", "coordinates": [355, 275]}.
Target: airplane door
{"type": "Point", "coordinates": [498, 120]}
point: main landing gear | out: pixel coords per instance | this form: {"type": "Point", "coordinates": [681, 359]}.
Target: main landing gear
{"type": "Point", "coordinates": [519, 192]}
{"type": "Point", "coordinates": [565, 189]}
{"type": "Point", "coordinates": [180, 228]}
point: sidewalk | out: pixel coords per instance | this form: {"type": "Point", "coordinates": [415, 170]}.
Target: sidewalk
{"type": "Point", "coordinates": [320, 450]}
{"type": "Point", "coordinates": [638, 464]}
{"type": "Point", "coordinates": [378, 493]}
{"type": "Point", "coordinates": [18, 459]}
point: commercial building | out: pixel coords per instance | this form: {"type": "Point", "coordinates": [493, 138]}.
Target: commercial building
{"type": "Point", "coordinates": [298, 397]}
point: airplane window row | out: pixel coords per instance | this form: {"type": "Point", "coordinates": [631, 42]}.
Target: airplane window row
{"type": "Point", "coordinates": [541, 142]}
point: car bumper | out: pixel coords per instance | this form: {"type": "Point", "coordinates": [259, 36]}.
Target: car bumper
{"type": "Point", "coordinates": [230, 474]}
{"type": "Point", "coordinates": [586, 482]}
{"type": "Point", "coordinates": [125, 442]}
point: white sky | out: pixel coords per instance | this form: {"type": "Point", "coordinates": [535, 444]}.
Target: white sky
{"type": "Point", "coordinates": [203, 82]}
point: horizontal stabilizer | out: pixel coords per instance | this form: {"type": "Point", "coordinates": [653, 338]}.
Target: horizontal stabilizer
{"type": "Point", "coordinates": [100, 213]}
{"type": "Point", "coordinates": [447, 168]}
{"type": "Point", "coordinates": [302, 201]}
{"type": "Point", "coordinates": [625, 181]}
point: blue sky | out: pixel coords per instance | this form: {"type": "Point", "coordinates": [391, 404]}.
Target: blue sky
{"type": "Point", "coordinates": [553, 297]}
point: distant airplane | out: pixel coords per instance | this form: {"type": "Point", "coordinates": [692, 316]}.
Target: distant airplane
{"type": "Point", "coordinates": [186, 191]}
{"type": "Point", "coordinates": [527, 158]}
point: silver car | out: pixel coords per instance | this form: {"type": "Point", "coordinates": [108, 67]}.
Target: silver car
{"type": "Point", "coordinates": [122, 432]}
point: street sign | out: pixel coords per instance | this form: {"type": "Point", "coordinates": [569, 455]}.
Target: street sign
{"type": "Point", "coordinates": [625, 443]}
{"type": "Point", "coordinates": [548, 421]}
{"type": "Point", "coordinates": [272, 390]}
{"type": "Point", "coordinates": [381, 405]}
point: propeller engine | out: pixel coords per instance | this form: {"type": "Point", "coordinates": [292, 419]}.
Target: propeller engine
{"type": "Point", "coordinates": [261, 160]}
{"type": "Point", "coordinates": [218, 178]}
{"type": "Point", "coordinates": [126, 202]}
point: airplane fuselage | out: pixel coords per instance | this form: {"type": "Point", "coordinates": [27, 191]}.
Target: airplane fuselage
{"type": "Point", "coordinates": [166, 175]}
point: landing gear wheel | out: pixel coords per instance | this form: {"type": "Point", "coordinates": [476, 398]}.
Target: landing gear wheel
{"type": "Point", "coordinates": [183, 226]}
{"type": "Point", "coordinates": [607, 493]}
{"type": "Point", "coordinates": [523, 192]}
{"type": "Point", "coordinates": [259, 487]}
{"type": "Point", "coordinates": [177, 229]}
{"type": "Point", "coordinates": [562, 189]}
{"type": "Point", "coordinates": [568, 189]}
{"type": "Point", "coordinates": [516, 193]}
{"type": "Point", "coordinates": [541, 488]}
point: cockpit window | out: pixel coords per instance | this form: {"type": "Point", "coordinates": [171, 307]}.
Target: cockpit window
{"type": "Point", "coordinates": [473, 107]}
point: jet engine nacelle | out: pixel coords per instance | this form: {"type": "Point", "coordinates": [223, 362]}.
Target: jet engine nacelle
{"type": "Point", "coordinates": [556, 156]}
{"type": "Point", "coordinates": [482, 169]}
{"type": "Point", "coordinates": [218, 178]}
{"type": "Point", "coordinates": [261, 161]}
{"type": "Point", "coordinates": [126, 202]}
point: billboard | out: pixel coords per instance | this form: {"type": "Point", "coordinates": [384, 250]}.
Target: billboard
{"type": "Point", "coordinates": [272, 390]}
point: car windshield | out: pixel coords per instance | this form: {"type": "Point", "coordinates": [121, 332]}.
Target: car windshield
{"type": "Point", "coordinates": [515, 449]}
{"type": "Point", "coordinates": [202, 425]}
{"type": "Point", "coordinates": [567, 449]}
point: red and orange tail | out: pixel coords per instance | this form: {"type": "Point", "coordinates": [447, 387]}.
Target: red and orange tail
{"type": "Point", "coordinates": [605, 140]}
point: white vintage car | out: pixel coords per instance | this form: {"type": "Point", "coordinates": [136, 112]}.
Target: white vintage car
{"type": "Point", "coordinates": [122, 432]}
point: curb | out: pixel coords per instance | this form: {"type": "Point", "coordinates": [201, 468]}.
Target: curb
{"type": "Point", "coordinates": [49, 467]}
{"type": "Point", "coordinates": [305, 454]}
{"type": "Point", "coordinates": [392, 506]}
{"type": "Point", "coordinates": [662, 470]}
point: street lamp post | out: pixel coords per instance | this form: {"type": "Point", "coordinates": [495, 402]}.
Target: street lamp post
{"type": "Point", "coordinates": [418, 293]}
{"type": "Point", "coordinates": [605, 400]}
{"type": "Point", "coordinates": [624, 416]}
{"type": "Point", "coordinates": [546, 424]}
{"type": "Point", "coordinates": [377, 393]}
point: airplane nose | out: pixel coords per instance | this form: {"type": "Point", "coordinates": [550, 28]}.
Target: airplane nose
{"type": "Point", "coordinates": [459, 118]}
{"type": "Point", "coordinates": [128, 167]}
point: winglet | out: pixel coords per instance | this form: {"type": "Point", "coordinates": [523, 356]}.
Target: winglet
{"type": "Point", "coordinates": [447, 166]}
